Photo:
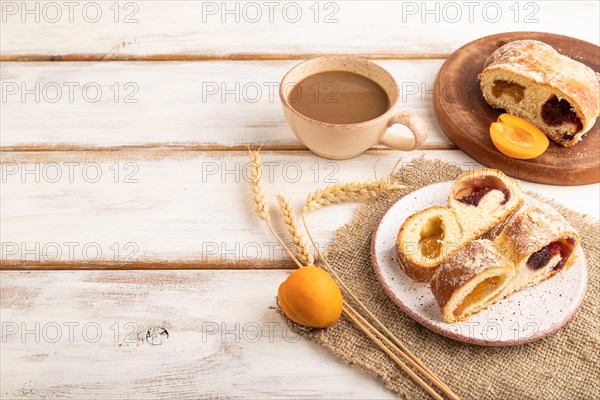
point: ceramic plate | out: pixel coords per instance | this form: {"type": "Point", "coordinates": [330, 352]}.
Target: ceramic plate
{"type": "Point", "coordinates": [524, 317]}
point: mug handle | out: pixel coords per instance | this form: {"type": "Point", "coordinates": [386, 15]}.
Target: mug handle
{"type": "Point", "coordinates": [412, 121]}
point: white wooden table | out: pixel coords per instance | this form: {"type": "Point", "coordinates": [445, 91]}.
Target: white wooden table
{"type": "Point", "coordinates": [124, 201]}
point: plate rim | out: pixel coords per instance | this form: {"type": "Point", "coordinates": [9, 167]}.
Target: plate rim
{"type": "Point", "coordinates": [453, 335]}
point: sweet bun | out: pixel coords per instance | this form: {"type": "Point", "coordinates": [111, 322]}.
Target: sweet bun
{"type": "Point", "coordinates": [483, 200]}
{"type": "Point", "coordinates": [530, 79]}
{"type": "Point", "coordinates": [533, 246]}
{"type": "Point", "coordinates": [469, 281]}
{"type": "Point", "coordinates": [425, 240]}
{"type": "Point", "coordinates": [480, 202]}
{"type": "Point", "coordinates": [540, 244]}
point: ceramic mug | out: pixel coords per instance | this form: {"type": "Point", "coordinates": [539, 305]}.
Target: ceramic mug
{"type": "Point", "coordinates": [343, 141]}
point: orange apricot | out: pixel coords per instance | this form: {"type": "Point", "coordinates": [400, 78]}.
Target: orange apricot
{"type": "Point", "coordinates": [310, 297]}
{"type": "Point", "coordinates": [517, 138]}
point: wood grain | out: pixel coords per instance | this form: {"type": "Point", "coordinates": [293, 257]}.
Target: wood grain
{"type": "Point", "coordinates": [207, 57]}
{"type": "Point", "coordinates": [202, 263]}
{"type": "Point", "coordinates": [178, 209]}
{"type": "Point", "coordinates": [225, 339]}
{"type": "Point", "coordinates": [170, 211]}
{"type": "Point", "coordinates": [186, 147]}
{"type": "Point", "coordinates": [180, 105]}
{"type": "Point", "coordinates": [181, 30]}
{"type": "Point", "coordinates": [466, 117]}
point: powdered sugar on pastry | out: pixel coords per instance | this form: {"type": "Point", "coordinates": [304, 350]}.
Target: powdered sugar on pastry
{"type": "Point", "coordinates": [530, 79]}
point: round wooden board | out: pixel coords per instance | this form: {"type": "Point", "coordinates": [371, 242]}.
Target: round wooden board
{"type": "Point", "coordinates": [465, 117]}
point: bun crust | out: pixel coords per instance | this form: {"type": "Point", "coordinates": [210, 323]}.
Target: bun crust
{"type": "Point", "coordinates": [535, 245]}
{"type": "Point", "coordinates": [429, 237]}
{"type": "Point", "coordinates": [532, 232]}
{"type": "Point", "coordinates": [471, 280]}
{"type": "Point", "coordinates": [436, 224]}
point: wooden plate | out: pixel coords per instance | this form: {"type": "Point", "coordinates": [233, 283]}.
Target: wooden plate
{"type": "Point", "coordinates": [526, 316]}
{"type": "Point", "coordinates": [465, 117]}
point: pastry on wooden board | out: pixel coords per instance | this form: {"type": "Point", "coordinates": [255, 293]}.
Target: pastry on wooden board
{"type": "Point", "coordinates": [480, 203]}
{"type": "Point", "coordinates": [530, 79]}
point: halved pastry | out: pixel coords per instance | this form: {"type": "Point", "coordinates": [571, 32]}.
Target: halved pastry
{"type": "Point", "coordinates": [530, 79]}
{"type": "Point", "coordinates": [425, 240]}
{"type": "Point", "coordinates": [540, 244]}
{"type": "Point", "coordinates": [469, 281]}
{"type": "Point", "coordinates": [483, 200]}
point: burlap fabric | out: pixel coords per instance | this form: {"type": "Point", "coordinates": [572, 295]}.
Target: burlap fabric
{"type": "Point", "coordinates": [562, 366]}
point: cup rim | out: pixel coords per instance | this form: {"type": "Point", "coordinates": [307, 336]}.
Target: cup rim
{"type": "Point", "coordinates": [391, 109]}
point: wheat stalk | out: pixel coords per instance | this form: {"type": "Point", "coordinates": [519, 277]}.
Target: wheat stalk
{"type": "Point", "coordinates": [259, 199]}
{"type": "Point", "coordinates": [335, 194]}
{"type": "Point", "coordinates": [297, 236]}
{"type": "Point", "coordinates": [347, 192]}
{"type": "Point", "coordinates": [256, 187]}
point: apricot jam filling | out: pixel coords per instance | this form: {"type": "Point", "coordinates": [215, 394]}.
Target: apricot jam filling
{"type": "Point", "coordinates": [432, 235]}
{"type": "Point", "coordinates": [431, 247]}
{"type": "Point", "coordinates": [556, 112]}
{"type": "Point", "coordinates": [514, 90]}
{"type": "Point", "coordinates": [480, 292]}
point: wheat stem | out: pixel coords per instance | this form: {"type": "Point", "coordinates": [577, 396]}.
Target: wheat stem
{"type": "Point", "coordinates": [354, 191]}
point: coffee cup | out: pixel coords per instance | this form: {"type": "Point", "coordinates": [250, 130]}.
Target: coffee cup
{"type": "Point", "coordinates": [339, 92]}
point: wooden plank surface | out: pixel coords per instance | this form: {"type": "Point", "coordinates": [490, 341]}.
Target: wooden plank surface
{"type": "Point", "coordinates": [172, 190]}
{"type": "Point", "coordinates": [202, 30]}
{"type": "Point", "coordinates": [82, 335]}
{"type": "Point", "coordinates": [179, 209]}
{"type": "Point", "coordinates": [183, 105]}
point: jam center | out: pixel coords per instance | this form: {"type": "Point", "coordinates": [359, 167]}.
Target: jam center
{"type": "Point", "coordinates": [431, 247]}
{"type": "Point", "coordinates": [432, 235]}
{"type": "Point", "coordinates": [556, 112]}
{"type": "Point", "coordinates": [478, 193]}
{"type": "Point", "coordinates": [540, 258]}
{"type": "Point", "coordinates": [480, 292]}
{"type": "Point", "coordinates": [514, 90]}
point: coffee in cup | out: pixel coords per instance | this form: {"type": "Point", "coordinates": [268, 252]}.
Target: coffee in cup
{"type": "Point", "coordinates": [341, 106]}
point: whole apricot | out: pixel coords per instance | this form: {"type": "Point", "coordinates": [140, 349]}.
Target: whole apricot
{"type": "Point", "coordinates": [310, 297]}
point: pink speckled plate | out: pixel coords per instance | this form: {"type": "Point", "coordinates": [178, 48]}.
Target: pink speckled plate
{"type": "Point", "coordinates": [524, 317]}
